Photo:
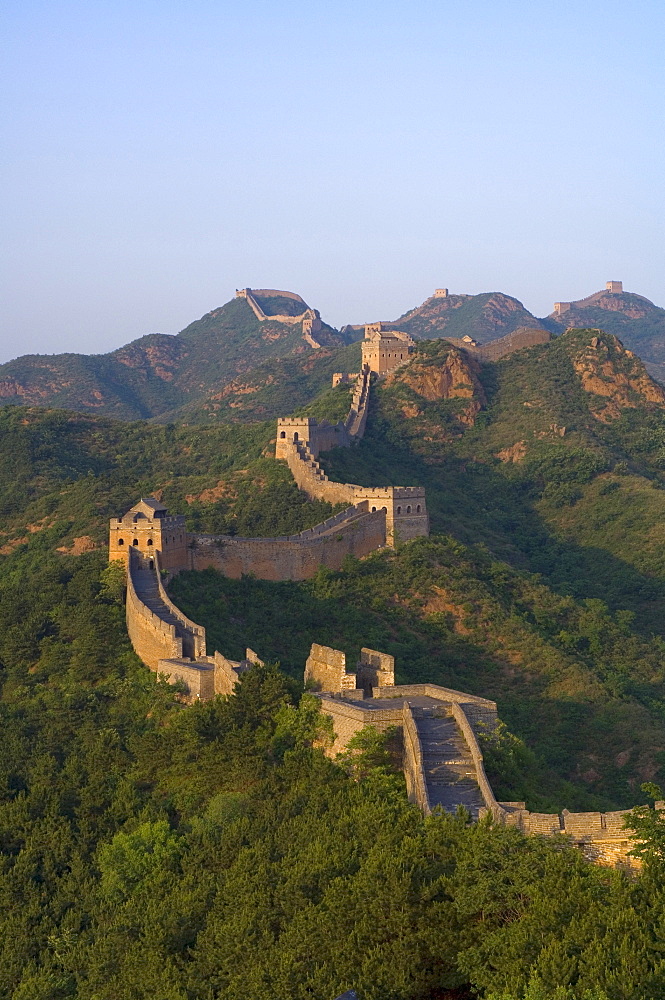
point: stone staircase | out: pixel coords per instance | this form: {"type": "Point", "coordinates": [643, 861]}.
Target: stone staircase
{"type": "Point", "coordinates": [450, 773]}
{"type": "Point", "coordinates": [145, 584]}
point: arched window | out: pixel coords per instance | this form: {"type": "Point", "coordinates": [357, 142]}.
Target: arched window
{"type": "Point", "coordinates": [385, 508]}
{"type": "Point", "coordinates": [121, 541]}
{"type": "Point", "coordinates": [408, 509]}
{"type": "Point", "coordinates": [152, 564]}
{"type": "Point", "coordinates": [399, 510]}
{"type": "Point", "coordinates": [418, 509]}
{"type": "Point", "coordinates": [295, 436]}
{"type": "Point", "coordinates": [282, 434]}
{"type": "Point", "coordinates": [373, 510]}
{"type": "Point", "coordinates": [150, 541]}
{"type": "Point", "coordinates": [135, 542]}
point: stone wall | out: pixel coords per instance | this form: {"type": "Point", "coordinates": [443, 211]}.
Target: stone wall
{"type": "Point", "coordinates": [301, 439]}
{"type": "Point", "coordinates": [414, 771]}
{"type": "Point", "coordinates": [468, 732]}
{"type": "Point", "coordinates": [374, 669]}
{"type": "Point", "coordinates": [325, 670]}
{"type": "Point", "coordinates": [228, 672]}
{"type": "Point", "coordinates": [152, 639]}
{"type": "Point", "coordinates": [148, 528]}
{"type": "Point", "coordinates": [199, 678]}
{"type": "Point", "coordinates": [310, 318]}
{"type": "Point", "coordinates": [501, 348]}
{"type": "Point", "coordinates": [481, 712]}
{"type": "Point", "coordinates": [197, 634]}
{"type": "Point", "coordinates": [295, 557]}
{"type": "Point", "coordinates": [384, 350]}
{"type": "Point", "coordinates": [600, 836]}
{"type": "Point", "coordinates": [350, 719]}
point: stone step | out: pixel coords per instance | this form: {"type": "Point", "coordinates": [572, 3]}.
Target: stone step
{"type": "Point", "coordinates": [448, 767]}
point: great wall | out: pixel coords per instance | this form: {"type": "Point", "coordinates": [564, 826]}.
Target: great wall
{"type": "Point", "coordinates": [441, 729]}
{"type": "Point", "coordinates": [310, 318]}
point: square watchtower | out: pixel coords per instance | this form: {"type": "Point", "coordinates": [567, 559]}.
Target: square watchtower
{"type": "Point", "coordinates": [148, 528]}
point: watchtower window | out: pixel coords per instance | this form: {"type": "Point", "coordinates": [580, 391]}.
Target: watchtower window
{"type": "Point", "coordinates": [418, 509]}
{"type": "Point", "coordinates": [295, 435]}
{"type": "Point", "coordinates": [399, 510]}
{"type": "Point", "coordinates": [150, 541]}
{"type": "Point", "coordinates": [135, 542]}
{"type": "Point", "coordinates": [282, 434]}
{"type": "Point", "coordinates": [408, 509]}
{"type": "Point", "coordinates": [121, 541]}
{"type": "Point", "coordinates": [373, 509]}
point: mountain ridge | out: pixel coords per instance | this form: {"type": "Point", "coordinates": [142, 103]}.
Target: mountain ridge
{"type": "Point", "coordinates": [203, 372]}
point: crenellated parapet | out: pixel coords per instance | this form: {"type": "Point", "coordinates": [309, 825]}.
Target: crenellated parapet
{"type": "Point", "coordinates": [602, 837]}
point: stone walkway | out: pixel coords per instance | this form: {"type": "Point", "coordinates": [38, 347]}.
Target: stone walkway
{"type": "Point", "coordinates": [145, 584]}
{"type": "Point", "coordinates": [449, 770]}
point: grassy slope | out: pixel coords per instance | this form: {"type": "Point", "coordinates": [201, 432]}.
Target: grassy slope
{"type": "Point", "coordinates": [63, 475]}
{"type": "Point", "coordinates": [271, 389]}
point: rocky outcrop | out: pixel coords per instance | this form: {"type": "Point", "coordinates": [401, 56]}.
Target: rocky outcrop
{"type": "Point", "coordinates": [454, 377]}
{"type": "Point", "coordinates": [617, 378]}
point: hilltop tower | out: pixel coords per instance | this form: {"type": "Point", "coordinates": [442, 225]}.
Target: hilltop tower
{"type": "Point", "coordinates": [383, 350]}
{"type": "Point", "coordinates": [148, 528]}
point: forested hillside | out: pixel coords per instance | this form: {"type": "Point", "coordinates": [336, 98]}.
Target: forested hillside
{"type": "Point", "coordinates": [152, 850]}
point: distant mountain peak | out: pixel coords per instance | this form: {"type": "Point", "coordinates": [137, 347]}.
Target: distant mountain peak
{"type": "Point", "coordinates": [611, 298]}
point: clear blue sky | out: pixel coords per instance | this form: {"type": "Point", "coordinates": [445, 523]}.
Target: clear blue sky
{"type": "Point", "coordinates": [158, 154]}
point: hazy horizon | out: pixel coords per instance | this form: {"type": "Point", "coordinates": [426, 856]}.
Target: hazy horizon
{"type": "Point", "coordinates": [157, 156]}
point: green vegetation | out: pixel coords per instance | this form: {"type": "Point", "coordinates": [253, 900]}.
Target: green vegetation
{"type": "Point", "coordinates": [154, 851]}
{"type": "Point", "coordinates": [280, 305]}
{"type": "Point", "coordinates": [585, 693]}
{"type": "Point", "coordinates": [645, 335]}
{"type": "Point", "coordinates": [63, 475]}
{"type": "Point", "coordinates": [332, 405]}
{"type": "Point", "coordinates": [272, 389]}
{"type": "Point", "coordinates": [181, 377]}
{"type": "Point", "coordinates": [151, 850]}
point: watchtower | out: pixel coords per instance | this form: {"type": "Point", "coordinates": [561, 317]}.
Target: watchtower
{"type": "Point", "coordinates": [405, 507]}
{"type": "Point", "coordinates": [291, 430]}
{"type": "Point", "coordinates": [616, 287]}
{"type": "Point", "coordinates": [383, 350]}
{"type": "Point", "coordinates": [440, 293]}
{"type": "Point", "coordinates": [148, 528]}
